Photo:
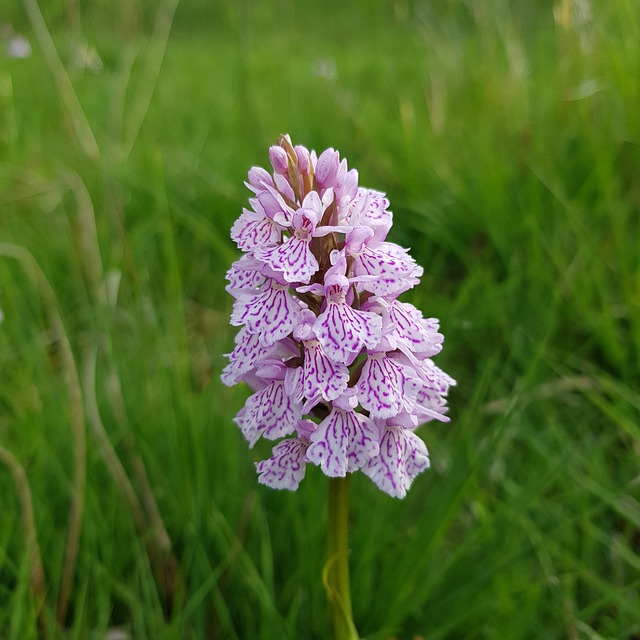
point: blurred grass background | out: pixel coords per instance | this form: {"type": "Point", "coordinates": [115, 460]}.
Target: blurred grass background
{"type": "Point", "coordinates": [506, 135]}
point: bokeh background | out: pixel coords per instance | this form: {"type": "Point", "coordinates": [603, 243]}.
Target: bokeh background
{"type": "Point", "coordinates": [506, 135]}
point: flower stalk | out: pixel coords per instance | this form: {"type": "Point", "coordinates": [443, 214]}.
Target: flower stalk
{"type": "Point", "coordinates": [337, 581]}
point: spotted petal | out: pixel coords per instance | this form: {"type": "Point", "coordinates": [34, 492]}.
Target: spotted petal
{"type": "Point", "coordinates": [394, 269]}
{"type": "Point", "coordinates": [343, 331]}
{"type": "Point", "coordinates": [244, 276]}
{"type": "Point", "coordinates": [272, 313]}
{"type": "Point", "coordinates": [343, 442]}
{"type": "Point", "coordinates": [403, 455]}
{"type": "Point", "coordinates": [385, 387]}
{"type": "Point", "coordinates": [430, 405]}
{"type": "Point", "coordinates": [322, 376]}
{"type": "Point", "coordinates": [369, 208]}
{"type": "Point", "coordinates": [252, 230]}
{"type": "Point", "coordinates": [411, 330]}
{"type": "Point", "coordinates": [285, 469]}
{"type": "Point", "coordinates": [270, 413]}
{"type": "Point", "coordinates": [292, 258]}
{"type": "Point", "coordinates": [434, 377]}
{"type": "Point", "coordinates": [242, 359]}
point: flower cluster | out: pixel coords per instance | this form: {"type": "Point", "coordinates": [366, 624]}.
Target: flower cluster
{"type": "Point", "coordinates": [340, 368]}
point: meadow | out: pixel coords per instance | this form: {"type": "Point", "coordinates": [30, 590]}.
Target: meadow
{"type": "Point", "coordinates": [506, 135]}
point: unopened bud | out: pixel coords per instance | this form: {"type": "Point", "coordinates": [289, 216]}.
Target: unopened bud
{"type": "Point", "coordinates": [259, 179]}
{"type": "Point", "coordinates": [302, 153]}
{"type": "Point", "coordinates": [327, 168]}
{"type": "Point", "coordinates": [279, 159]}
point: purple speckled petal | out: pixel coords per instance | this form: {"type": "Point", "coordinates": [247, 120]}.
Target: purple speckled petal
{"type": "Point", "coordinates": [252, 230]}
{"type": "Point", "coordinates": [410, 330]}
{"type": "Point", "coordinates": [343, 442]}
{"type": "Point", "coordinates": [243, 358]}
{"type": "Point", "coordinates": [293, 259]}
{"type": "Point", "coordinates": [394, 269]}
{"type": "Point", "coordinates": [285, 469]}
{"type": "Point", "coordinates": [322, 376]}
{"type": "Point", "coordinates": [369, 208]}
{"type": "Point", "coordinates": [430, 405]}
{"type": "Point", "coordinates": [344, 331]}
{"type": "Point", "coordinates": [244, 276]}
{"type": "Point", "coordinates": [385, 388]}
{"type": "Point", "coordinates": [403, 455]}
{"type": "Point", "coordinates": [272, 313]}
{"type": "Point", "coordinates": [434, 377]}
{"type": "Point", "coordinates": [270, 413]}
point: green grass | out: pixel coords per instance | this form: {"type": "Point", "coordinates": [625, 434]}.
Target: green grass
{"type": "Point", "coordinates": [508, 141]}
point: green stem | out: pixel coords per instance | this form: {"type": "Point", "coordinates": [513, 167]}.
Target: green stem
{"type": "Point", "coordinates": [337, 567]}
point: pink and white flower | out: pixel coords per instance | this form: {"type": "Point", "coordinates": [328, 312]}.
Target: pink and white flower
{"type": "Point", "coordinates": [389, 267]}
{"type": "Point", "coordinates": [272, 313]}
{"type": "Point", "coordinates": [269, 412]}
{"type": "Point", "coordinates": [285, 469]}
{"type": "Point", "coordinates": [402, 457]}
{"type": "Point", "coordinates": [343, 331]}
{"type": "Point", "coordinates": [339, 367]}
{"type": "Point", "coordinates": [386, 387]}
{"type": "Point", "coordinates": [294, 258]}
{"type": "Point", "coordinates": [345, 440]}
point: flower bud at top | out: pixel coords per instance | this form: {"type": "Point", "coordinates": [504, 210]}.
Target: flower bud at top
{"type": "Point", "coordinates": [327, 168]}
{"type": "Point", "coordinates": [279, 159]}
{"type": "Point", "coordinates": [303, 158]}
{"type": "Point", "coordinates": [259, 179]}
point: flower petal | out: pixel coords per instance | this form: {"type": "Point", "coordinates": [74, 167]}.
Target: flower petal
{"type": "Point", "coordinates": [343, 442]}
{"type": "Point", "coordinates": [285, 469]}
{"type": "Point", "coordinates": [394, 269]}
{"type": "Point", "coordinates": [244, 276]}
{"type": "Point", "coordinates": [343, 331]}
{"type": "Point", "coordinates": [270, 413]}
{"type": "Point", "coordinates": [434, 377]}
{"type": "Point", "coordinates": [259, 179]}
{"type": "Point", "coordinates": [272, 313]}
{"type": "Point", "coordinates": [403, 455]}
{"type": "Point", "coordinates": [411, 330]}
{"type": "Point", "coordinates": [385, 388]}
{"type": "Point", "coordinates": [327, 168]}
{"type": "Point", "coordinates": [243, 358]}
{"type": "Point", "coordinates": [292, 258]}
{"type": "Point", "coordinates": [322, 376]}
{"type": "Point", "coordinates": [252, 230]}
{"type": "Point", "coordinates": [369, 208]}
{"type": "Point", "coordinates": [430, 405]}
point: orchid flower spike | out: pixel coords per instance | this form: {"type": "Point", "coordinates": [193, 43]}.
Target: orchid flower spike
{"type": "Point", "coordinates": [341, 370]}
